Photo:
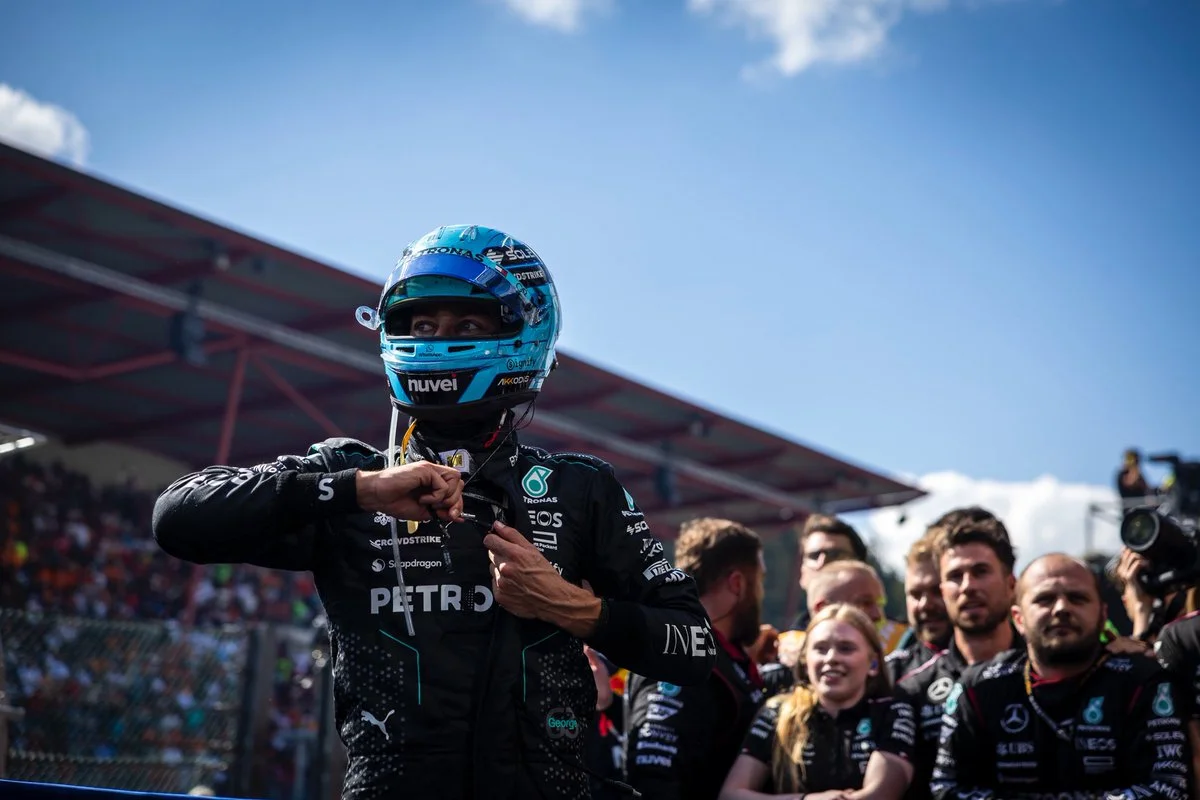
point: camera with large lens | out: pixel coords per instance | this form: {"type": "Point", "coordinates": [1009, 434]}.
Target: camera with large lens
{"type": "Point", "coordinates": [1166, 534]}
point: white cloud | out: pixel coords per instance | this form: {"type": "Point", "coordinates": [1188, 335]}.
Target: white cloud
{"type": "Point", "coordinates": [808, 32]}
{"type": "Point", "coordinates": [41, 127]}
{"type": "Point", "coordinates": [561, 15]}
{"type": "Point", "coordinates": [1042, 516]}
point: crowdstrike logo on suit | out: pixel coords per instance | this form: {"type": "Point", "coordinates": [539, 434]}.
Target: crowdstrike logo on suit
{"type": "Point", "coordinates": [379, 544]}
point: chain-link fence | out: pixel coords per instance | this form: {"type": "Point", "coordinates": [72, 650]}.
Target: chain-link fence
{"type": "Point", "coordinates": [131, 705]}
{"type": "Point", "coordinates": [290, 742]}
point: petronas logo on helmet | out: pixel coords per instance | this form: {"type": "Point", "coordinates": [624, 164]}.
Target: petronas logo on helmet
{"type": "Point", "coordinates": [452, 251]}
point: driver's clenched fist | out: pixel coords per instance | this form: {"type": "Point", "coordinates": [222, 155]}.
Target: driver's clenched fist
{"type": "Point", "coordinates": [409, 491]}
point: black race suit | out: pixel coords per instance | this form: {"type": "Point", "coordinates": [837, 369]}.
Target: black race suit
{"type": "Point", "coordinates": [838, 748]}
{"type": "Point", "coordinates": [479, 704]}
{"type": "Point", "coordinates": [1178, 650]}
{"type": "Point", "coordinates": [681, 741]}
{"type": "Point", "coordinates": [926, 689]}
{"type": "Point", "coordinates": [1112, 733]}
{"type": "Point", "coordinates": [905, 660]}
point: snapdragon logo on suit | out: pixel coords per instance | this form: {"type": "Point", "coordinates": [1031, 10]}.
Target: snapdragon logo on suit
{"type": "Point", "coordinates": [561, 723]}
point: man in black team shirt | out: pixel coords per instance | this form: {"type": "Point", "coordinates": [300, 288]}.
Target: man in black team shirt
{"type": "Point", "coordinates": [929, 626]}
{"type": "Point", "coordinates": [1062, 718]}
{"type": "Point", "coordinates": [975, 558]}
{"type": "Point", "coordinates": [1178, 650]}
{"type": "Point", "coordinates": [682, 741]}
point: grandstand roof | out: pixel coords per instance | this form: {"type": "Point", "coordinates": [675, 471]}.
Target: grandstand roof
{"type": "Point", "coordinates": [91, 275]}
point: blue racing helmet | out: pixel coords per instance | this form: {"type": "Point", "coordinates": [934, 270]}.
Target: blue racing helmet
{"type": "Point", "coordinates": [448, 377]}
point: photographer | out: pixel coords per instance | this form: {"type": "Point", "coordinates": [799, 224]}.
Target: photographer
{"type": "Point", "coordinates": [1159, 566]}
{"type": "Point", "coordinates": [1157, 572]}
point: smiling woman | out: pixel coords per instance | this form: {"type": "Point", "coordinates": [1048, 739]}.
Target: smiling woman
{"type": "Point", "coordinates": [795, 740]}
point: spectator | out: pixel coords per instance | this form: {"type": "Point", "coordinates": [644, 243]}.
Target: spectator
{"type": "Point", "coordinates": [74, 556]}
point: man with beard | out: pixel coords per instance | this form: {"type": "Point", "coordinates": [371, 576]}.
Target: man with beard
{"type": "Point", "coordinates": [929, 627]}
{"type": "Point", "coordinates": [928, 623]}
{"type": "Point", "coordinates": [681, 741]}
{"type": "Point", "coordinates": [975, 558]}
{"type": "Point", "coordinates": [1062, 715]}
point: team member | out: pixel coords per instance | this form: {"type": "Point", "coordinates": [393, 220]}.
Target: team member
{"type": "Point", "coordinates": [1062, 714]}
{"type": "Point", "coordinates": [839, 732]}
{"type": "Point", "coordinates": [459, 669]}
{"type": "Point", "coordinates": [682, 741]}
{"type": "Point", "coordinates": [855, 583]}
{"type": "Point", "coordinates": [929, 626]}
{"type": "Point", "coordinates": [975, 559]}
{"type": "Point", "coordinates": [1178, 650]}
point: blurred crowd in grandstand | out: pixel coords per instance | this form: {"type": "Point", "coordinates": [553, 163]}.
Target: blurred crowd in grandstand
{"type": "Point", "coordinates": [73, 548]}
{"type": "Point", "coordinates": [73, 554]}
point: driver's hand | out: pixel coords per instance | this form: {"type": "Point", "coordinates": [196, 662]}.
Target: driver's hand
{"type": "Point", "coordinates": [410, 491]}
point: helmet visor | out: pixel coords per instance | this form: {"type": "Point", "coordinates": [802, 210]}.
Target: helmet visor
{"type": "Point", "coordinates": [485, 277]}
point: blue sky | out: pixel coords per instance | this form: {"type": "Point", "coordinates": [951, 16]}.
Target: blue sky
{"type": "Point", "coordinates": [963, 238]}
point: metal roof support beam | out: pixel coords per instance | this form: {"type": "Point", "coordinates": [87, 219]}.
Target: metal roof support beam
{"type": "Point", "coordinates": [232, 400]}
{"type": "Point", "coordinates": [39, 365]}
{"type": "Point", "coordinates": [587, 399]}
{"type": "Point", "coordinates": [682, 466]}
{"type": "Point", "coordinates": [749, 430]}
{"type": "Point", "coordinates": [302, 402]}
{"type": "Point", "coordinates": [157, 211]}
{"type": "Point", "coordinates": [100, 371]}
{"type": "Point", "coordinates": [33, 388]}
{"type": "Point", "coordinates": [81, 270]}
{"type": "Point", "coordinates": [195, 268]}
{"type": "Point", "coordinates": [30, 204]}
{"type": "Point", "coordinates": [194, 415]}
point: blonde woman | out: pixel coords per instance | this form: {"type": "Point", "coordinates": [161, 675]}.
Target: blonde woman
{"type": "Point", "coordinates": [840, 737]}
